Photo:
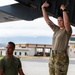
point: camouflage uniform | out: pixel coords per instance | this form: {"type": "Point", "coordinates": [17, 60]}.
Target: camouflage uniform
{"type": "Point", "coordinates": [58, 63]}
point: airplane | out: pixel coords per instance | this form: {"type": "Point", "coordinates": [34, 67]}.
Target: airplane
{"type": "Point", "coordinates": [31, 9]}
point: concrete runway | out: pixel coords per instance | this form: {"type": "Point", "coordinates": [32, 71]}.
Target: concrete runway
{"type": "Point", "coordinates": [39, 66]}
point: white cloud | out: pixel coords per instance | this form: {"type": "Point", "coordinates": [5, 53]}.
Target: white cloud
{"type": "Point", "coordinates": [7, 2]}
{"type": "Point", "coordinates": [34, 28]}
{"type": "Point", "coordinates": [73, 29]}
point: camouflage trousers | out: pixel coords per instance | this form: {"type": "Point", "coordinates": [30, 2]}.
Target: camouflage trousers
{"type": "Point", "coordinates": [58, 63]}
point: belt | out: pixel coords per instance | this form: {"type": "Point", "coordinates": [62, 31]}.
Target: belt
{"type": "Point", "coordinates": [58, 51]}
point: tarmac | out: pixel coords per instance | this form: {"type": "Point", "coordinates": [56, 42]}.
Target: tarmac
{"type": "Point", "coordinates": [39, 66]}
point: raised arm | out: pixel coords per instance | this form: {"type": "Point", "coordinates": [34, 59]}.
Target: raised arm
{"type": "Point", "coordinates": [65, 18]}
{"type": "Point", "coordinates": [45, 15]}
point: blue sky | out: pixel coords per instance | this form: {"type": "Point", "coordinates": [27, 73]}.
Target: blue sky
{"type": "Point", "coordinates": [37, 40]}
{"type": "Point", "coordinates": [36, 31]}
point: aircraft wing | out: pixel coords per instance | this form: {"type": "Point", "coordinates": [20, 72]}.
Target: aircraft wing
{"type": "Point", "coordinates": [31, 9]}
{"type": "Point", "coordinates": [4, 17]}
{"type": "Point", "coordinates": [54, 8]}
{"type": "Point", "coordinates": [18, 11]}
